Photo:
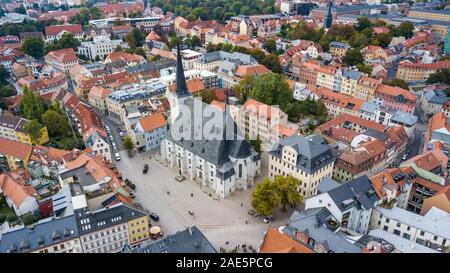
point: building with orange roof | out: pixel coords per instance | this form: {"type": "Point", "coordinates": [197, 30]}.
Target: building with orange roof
{"type": "Point", "coordinates": [329, 77]}
{"type": "Point", "coordinates": [395, 98]}
{"type": "Point", "coordinates": [128, 58]}
{"type": "Point", "coordinates": [195, 86]}
{"type": "Point", "coordinates": [232, 74]}
{"type": "Point", "coordinates": [440, 200]}
{"type": "Point", "coordinates": [438, 130]}
{"type": "Point", "coordinates": [55, 32]}
{"type": "Point", "coordinates": [20, 195]}
{"type": "Point", "coordinates": [90, 125]}
{"type": "Point", "coordinates": [348, 122]}
{"type": "Point", "coordinates": [434, 161]}
{"type": "Point", "coordinates": [278, 242]}
{"type": "Point", "coordinates": [62, 59]}
{"type": "Point", "coordinates": [55, 82]}
{"type": "Point", "coordinates": [337, 103]}
{"type": "Point", "coordinates": [372, 52]}
{"type": "Point", "coordinates": [14, 154]}
{"type": "Point", "coordinates": [94, 175]}
{"type": "Point", "coordinates": [368, 159]}
{"type": "Point", "coordinates": [257, 119]}
{"type": "Point", "coordinates": [380, 30]}
{"type": "Point", "coordinates": [365, 88]}
{"type": "Point", "coordinates": [97, 97]}
{"type": "Point", "coordinates": [446, 109]}
{"type": "Point", "coordinates": [149, 132]}
{"type": "Point", "coordinates": [419, 72]}
{"type": "Point", "coordinates": [13, 128]}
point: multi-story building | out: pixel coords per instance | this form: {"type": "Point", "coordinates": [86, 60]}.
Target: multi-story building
{"type": "Point", "coordinates": [338, 49]}
{"type": "Point", "coordinates": [222, 159]}
{"type": "Point", "coordinates": [20, 195]}
{"type": "Point", "coordinates": [305, 158]}
{"type": "Point", "coordinates": [107, 230]}
{"type": "Point", "coordinates": [338, 104]}
{"type": "Point", "coordinates": [367, 159]}
{"type": "Point", "coordinates": [329, 77]}
{"type": "Point", "coordinates": [100, 47]}
{"type": "Point", "coordinates": [432, 14]}
{"type": "Point", "coordinates": [14, 154]}
{"type": "Point", "coordinates": [349, 83]}
{"type": "Point", "coordinates": [213, 60]}
{"type": "Point", "coordinates": [62, 59]}
{"type": "Point", "coordinates": [432, 101]}
{"type": "Point", "coordinates": [58, 235]}
{"type": "Point", "coordinates": [135, 94]}
{"type": "Point", "coordinates": [53, 33]}
{"type": "Point", "coordinates": [258, 119]}
{"type": "Point", "coordinates": [430, 230]}
{"type": "Point", "coordinates": [365, 88]}
{"type": "Point", "coordinates": [150, 131]}
{"type": "Point", "coordinates": [395, 98]}
{"type": "Point", "coordinates": [351, 203]}
{"type": "Point", "coordinates": [12, 128]}
{"type": "Point", "coordinates": [97, 98]}
{"type": "Point", "coordinates": [419, 72]}
{"type": "Point", "coordinates": [438, 130]}
{"type": "Point", "coordinates": [308, 72]}
{"type": "Point", "coordinates": [54, 82]}
{"type": "Point", "coordinates": [128, 58]}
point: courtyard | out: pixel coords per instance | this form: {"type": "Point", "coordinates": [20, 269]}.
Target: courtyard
{"type": "Point", "coordinates": [225, 222]}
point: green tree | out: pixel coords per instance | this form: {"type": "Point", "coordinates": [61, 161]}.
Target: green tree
{"type": "Point", "coordinates": [56, 123]}
{"type": "Point", "coordinates": [353, 57]}
{"type": "Point", "coordinates": [441, 76]}
{"type": "Point", "coordinates": [364, 68]}
{"type": "Point", "coordinates": [118, 48]}
{"type": "Point", "coordinates": [397, 82]}
{"type": "Point", "coordinates": [406, 29]}
{"type": "Point", "coordinates": [128, 143]}
{"type": "Point", "coordinates": [33, 46]}
{"type": "Point", "coordinates": [29, 219]}
{"type": "Point", "coordinates": [382, 39]}
{"type": "Point", "coordinates": [31, 106]}
{"type": "Point", "coordinates": [135, 38]}
{"type": "Point", "coordinates": [358, 40]}
{"type": "Point", "coordinates": [33, 129]}
{"type": "Point", "coordinates": [243, 88]}
{"type": "Point", "coordinates": [11, 217]}
{"type": "Point", "coordinates": [67, 40]}
{"type": "Point", "coordinates": [256, 143]}
{"type": "Point", "coordinates": [173, 42]}
{"type": "Point", "coordinates": [7, 91]}
{"type": "Point", "coordinates": [265, 197]}
{"type": "Point", "coordinates": [20, 10]}
{"type": "Point", "coordinates": [272, 62]}
{"type": "Point", "coordinates": [140, 51]}
{"type": "Point", "coordinates": [4, 75]}
{"type": "Point", "coordinates": [270, 45]}
{"type": "Point", "coordinates": [287, 189]}
{"type": "Point", "coordinates": [271, 89]}
{"type": "Point", "coordinates": [363, 23]}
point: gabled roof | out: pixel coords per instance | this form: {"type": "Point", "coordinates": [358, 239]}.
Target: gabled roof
{"type": "Point", "coordinates": [62, 55]}
{"type": "Point", "coordinates": [56, 29]}
{"type": "Point", "coordinates": [152, 122]}
{"type": "Point", "coordinates": [13, 186]}
{"type": "Point", "coordinates": [279, 242]}
{"type": "Point", "coordinates": [15, 149]}
{"type": "Point", "coordinates": [358, 190]}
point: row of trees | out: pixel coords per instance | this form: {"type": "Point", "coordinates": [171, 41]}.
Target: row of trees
{"type": "Point", "coordinates": [220, 10]}
{"type": "Point", "coordinates": [270, 194]}
{"type": "Point", "coordinates": [35, 46]}
{"type": "Point", "coordinates": [273, 89]}
{"type": "Point", "coordinates": [27, 26]}
{"type": "Point", "coordinates": [268, 60]}
{"type": "Point", "coordinates": [85, 15]}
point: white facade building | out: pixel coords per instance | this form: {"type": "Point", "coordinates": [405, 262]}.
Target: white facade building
{"type": "Point", "coordinates": [100, 47]}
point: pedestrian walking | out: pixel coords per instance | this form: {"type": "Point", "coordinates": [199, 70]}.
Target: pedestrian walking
{"type": "Point", "coordinates": [192, 195]}
{"type": "Point", "coordinates": [242, 204]}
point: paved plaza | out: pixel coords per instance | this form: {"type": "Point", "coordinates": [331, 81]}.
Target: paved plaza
{"type": "Point", "coordinates": [223, 221]}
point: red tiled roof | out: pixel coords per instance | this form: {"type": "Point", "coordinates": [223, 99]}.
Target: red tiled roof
{"type": "Point", "coordinates": [152, 122]}
{"type": "Point", "coordinates": [15, 149]}
{"type": "Point", "coordinates": [278, 242]}
{"type": "Point", "coordinates": [62, 55]}
{"type": "Point", "coordinates": [56, 29]}
{"type": "Point", "coordinates": [395, 91]}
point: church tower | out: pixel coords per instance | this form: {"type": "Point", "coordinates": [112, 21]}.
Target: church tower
{"type": "Point", "coordinates": [328, 20]}
{"type": "Point", "coordinates": [181, 92]}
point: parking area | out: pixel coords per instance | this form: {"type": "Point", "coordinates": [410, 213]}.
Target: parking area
{"type": "Point", "coordinates": [225, 222]}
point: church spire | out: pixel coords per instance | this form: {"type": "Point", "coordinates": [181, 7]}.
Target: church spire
{"type": "Point", "coordinates": [328, 20]}
{"type": "Point", "coordinates": [180, 84]}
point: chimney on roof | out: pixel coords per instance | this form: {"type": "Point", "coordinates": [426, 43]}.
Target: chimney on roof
{"type": "Point", "coordinates": [190, 231]}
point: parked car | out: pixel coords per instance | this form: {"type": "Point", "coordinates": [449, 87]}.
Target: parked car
{"type": "Point", "coordinates": [268, 219]}
{"type": "Point", "coordinates": [117, 156]}
{"type": "Point", "coordinates": [154, 216]}
{"type": "Point", "coordinates": [145, 170]}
